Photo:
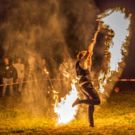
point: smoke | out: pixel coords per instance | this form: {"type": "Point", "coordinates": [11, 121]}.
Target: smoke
{"type": "Point", "coordinates": [53, 29]}
{"type": "Point", "coordinates": [81, 16]}
{"type": "Point", "coordinates": [48, 27]}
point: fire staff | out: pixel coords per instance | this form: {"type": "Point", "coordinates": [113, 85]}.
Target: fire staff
{"type": "Point", "coordinates": [83, 70]}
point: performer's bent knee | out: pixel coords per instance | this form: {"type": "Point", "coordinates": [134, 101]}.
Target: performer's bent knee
{"type": "Point", "coordinates": [97, 101]}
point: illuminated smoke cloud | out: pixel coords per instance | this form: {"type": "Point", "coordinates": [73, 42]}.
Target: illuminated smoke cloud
{"type": "Point", "coordinates": [53, 29]}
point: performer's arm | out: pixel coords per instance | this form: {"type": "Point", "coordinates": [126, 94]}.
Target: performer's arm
{"type": "Point", "coordinates": [87, 60]}
{"type": "Point", "coordinates": [92, 44]}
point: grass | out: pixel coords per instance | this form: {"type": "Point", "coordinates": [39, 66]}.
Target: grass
{"type": "Point", "coordinates": [115, 117]}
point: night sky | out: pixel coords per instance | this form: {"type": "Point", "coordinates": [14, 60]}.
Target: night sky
{"type": "Point", "coordinates": [129, 71]}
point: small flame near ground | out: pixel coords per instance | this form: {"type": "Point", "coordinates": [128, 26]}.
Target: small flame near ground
{"type": "Point", "coordinates": [64, 109]}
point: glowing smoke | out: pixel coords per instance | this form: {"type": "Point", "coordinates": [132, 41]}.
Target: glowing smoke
{"type": "Point", "coordinates": [50, 29]}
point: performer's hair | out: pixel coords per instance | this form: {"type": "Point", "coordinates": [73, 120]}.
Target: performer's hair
{"type": "Point", "coordinates": [81, 54]}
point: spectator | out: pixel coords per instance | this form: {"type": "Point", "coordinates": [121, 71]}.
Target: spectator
{"type": "Point", "coordinates": [44, 68]}
{"type": "Point", "coordinates": [19, 66]}
{"type": "Point", "coordinates": [45, 77]}
{"type": "Point", "coordinates": [7, 76]}
{"type": "Point", "coordinates": [30, 76]}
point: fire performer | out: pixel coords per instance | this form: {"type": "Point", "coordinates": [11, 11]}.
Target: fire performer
{"type": "Point", "coordinates": [83, 70]}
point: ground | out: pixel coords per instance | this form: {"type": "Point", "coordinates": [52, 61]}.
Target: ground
{"type": "Point", "coordinates": [115, 117]}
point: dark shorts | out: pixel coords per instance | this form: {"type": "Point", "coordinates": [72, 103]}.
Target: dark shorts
{"type": "Point", "coordinates": [90, 92]}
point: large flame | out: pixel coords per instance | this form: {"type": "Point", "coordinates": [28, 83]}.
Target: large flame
{"type": "Point", "coordinates": [64, 109]}
{"type": "Point", "coordinates": [116, 20]}
{"type": "Point", "coordinates": [119, 23]}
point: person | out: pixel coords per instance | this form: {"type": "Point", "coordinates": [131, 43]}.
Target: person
{"type": "Point", "coordinates": [44, 69]}
{"type": "Point", "coordinates": [19, 66]}
{"type": "Point", "coordinates": [7, 76]}
{"type": "Point", "coordinates": [83, 71]}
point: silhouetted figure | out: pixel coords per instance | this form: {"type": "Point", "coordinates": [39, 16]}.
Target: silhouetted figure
{"type": "Point", "coordinates": [83, 71]}
{"type": "Point", "coordinates": [7, 76]}
{"type": "Point", "coordinates": [19, 66]}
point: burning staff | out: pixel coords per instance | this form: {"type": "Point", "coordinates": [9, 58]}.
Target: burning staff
{"type": "Point", "coordinates": [83, 70]}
